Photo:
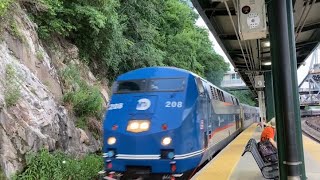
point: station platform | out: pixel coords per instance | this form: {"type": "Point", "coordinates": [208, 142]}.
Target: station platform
{"type": "Point", "coordinates": [230, 165]}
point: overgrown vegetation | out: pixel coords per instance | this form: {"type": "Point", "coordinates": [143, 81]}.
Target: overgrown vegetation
{"type": "Point", "coordinates": [120, 35]}
{"type": "Point", "coordinates": [40, 56]}
{"type": "Point", "coordinates": [14, 30]}
{"type": "Point", "coordinates": [4, 5]}
{"type": "Point", "coordinates": [244, 96]}
{"type": "Point", "coordinates": [2, 176]}
{"type": "Point", "coordinates": [57, 166]}
{"type": "Point", "coordinates": [85, 100]}
{"type": "Point", "coordinates": [12, 86]}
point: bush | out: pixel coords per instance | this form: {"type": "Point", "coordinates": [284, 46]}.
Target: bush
{"type": "Point", "coordinates": [2, 176]}
{"type": "Point", "coordinates": [81, 122]}
{"type": "Point", "coordinates": [86, 100]}
{"type": "Point", "coordinates": [58, 166]}
{"type": "Point", "coordinates": [4, 5]}
{"type": "Point", "coordinates": [12, 90]}
{"type": "Point", "coordinates": [14, 30]}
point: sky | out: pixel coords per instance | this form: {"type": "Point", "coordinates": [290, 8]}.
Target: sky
{"type": "Point", "coordinates": [302, 71]}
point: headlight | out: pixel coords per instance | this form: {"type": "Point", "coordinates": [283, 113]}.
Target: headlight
{"type": "Point", "coordinates": [112, 140]}
{"type": "Point", "coordinates": [144, 125]}
{"type": "Point", "coordinates": [133, 125]}
{"type": "Point", "coordinates": [166, 141]}
{"type": "Point", "coordinates": [137, 126]}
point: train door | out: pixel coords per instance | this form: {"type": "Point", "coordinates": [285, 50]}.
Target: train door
{"type": "Point", "coordinates": [237, 113]}
{"type": "Point", "coordinates": [203, 110]}
{"type": "Point", "coordinates": [241, 117]}
{"type": "Point", "coordinates": [207, 109]}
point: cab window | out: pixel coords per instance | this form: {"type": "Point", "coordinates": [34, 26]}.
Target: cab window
{"type": "Point", "coordinates": [176, 84]}
{"type": "Point", "coordinates": [130, 86]}
{"type": "Point", "coordinates": [149, 85]}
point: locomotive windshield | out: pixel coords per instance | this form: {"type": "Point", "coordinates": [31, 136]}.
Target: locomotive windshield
{"type": "Point", "coordinates": [166, 84]}
{"type": "Point", "coordinates": [131, 86]}
{"type": "Point", "coordinates": [150, 85]}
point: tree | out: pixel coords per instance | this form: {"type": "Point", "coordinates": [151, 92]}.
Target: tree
{"type": "Point", "coordinates": [116, 36]}
{"type": "Point", "coordinates": [244, 96]}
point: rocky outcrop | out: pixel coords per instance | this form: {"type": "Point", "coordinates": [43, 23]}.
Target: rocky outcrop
{"type": "Point", "coordinates": [37, 120]}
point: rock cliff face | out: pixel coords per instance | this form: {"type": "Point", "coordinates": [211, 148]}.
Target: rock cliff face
{"type": "Point", "coordinates": [37, 119]}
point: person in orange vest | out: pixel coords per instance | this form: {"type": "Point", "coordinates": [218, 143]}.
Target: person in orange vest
{"type": "Point", "coordinates": [269, 132]}
{"type": "Point", "coordinates": [267, 145]}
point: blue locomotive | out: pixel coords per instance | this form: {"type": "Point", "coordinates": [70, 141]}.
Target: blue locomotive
{"type": "Point", "coordinates": [165, 122]}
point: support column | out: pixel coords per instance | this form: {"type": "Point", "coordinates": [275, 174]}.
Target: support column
{"type": "Point", "coordinates": [284, 71]}
{"type": "Point", "coordinates": [268, 90]}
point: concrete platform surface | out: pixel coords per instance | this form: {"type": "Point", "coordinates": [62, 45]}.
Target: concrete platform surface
{"type": "Point", "coordinates": [230, 165]}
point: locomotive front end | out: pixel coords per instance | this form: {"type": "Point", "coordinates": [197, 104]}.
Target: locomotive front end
{"type": "Point", "coordinates": [144, 126]}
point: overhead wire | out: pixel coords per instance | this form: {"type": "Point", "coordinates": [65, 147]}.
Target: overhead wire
{"type": "Point", "coordinates": [259, 52]}
{"type": "Point", "coordinates": [302, 14]}
{"type": "Point", "coordinates": [251, 53]}
{"type": "Point", "coordinates": [237, 35]}
{"type": "Point", "coordinates": [239, 41]}
{"type": "Point", "coordinates": [305, 19]}
{"type": "Point", "coordinates": [252, 61]}
{"type": "Point", "coordinates": [248, 54]}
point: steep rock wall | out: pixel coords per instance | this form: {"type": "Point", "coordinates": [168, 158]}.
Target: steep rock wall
{"type": "Point", "coordinates": [37, 120]}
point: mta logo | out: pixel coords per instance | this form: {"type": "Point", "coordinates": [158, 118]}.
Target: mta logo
{"type": "Point", "coordinates": [143, 104]}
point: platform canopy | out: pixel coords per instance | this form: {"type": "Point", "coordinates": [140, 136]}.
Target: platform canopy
{"type": "Point", "coordinates": [254, 58]}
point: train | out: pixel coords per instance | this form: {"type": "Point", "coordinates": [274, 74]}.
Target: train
{"type": "Point", "coordinates": [164, 122]}
{"type": "Point", "coordinates": [309, 111]}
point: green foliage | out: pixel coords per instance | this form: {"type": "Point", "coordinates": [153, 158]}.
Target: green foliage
{"type": "Point", "coordinates": [48, 18]}
{"type": "Point", "coordinates": [14, 30]}
{"type": "Point", "coordinates": [2, 176]}
{"type": "Point", "coordinates": [121, 35]}
{"type": "Point", "coordinates": [244, 96]}
{"type": "Point", "coordinates": [57, 166]}
{"type": "Point", "coordinates": [86, 100]}
{"type": "Point", "coordinates": [12, 90]}
{"type": "Point", "coordinates": [4, 5]}
{"type": "Point", "coordinates": [40, 56]}
{"type": "Point", "coordinates": [188, 46]}
{"type": "Point", "coordinates": [142, 21]}
{"type": "Point", "coordinates": [81, 123]}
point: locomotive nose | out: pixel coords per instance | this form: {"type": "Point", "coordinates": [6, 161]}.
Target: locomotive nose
{"type": "Point", "coordinates": [143, 104]}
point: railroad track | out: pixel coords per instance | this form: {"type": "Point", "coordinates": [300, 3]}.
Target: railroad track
{"type": "Point", "coordinates": [311, 128]}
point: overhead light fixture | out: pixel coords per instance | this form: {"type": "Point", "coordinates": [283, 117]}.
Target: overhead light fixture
{"type": "Point", "coordinates": [266, 44]}
{"type": "Point", "coordinates": [266, 63]}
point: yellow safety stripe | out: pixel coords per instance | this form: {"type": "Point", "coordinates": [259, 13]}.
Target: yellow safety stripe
{"type": "Point", "coordinates": [222, 166]}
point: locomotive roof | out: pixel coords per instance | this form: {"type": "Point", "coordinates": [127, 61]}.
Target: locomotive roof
{"type": "Point", "coordinates": [155, 72]}
{"type": "Point", "coordinates": [162, 72]}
